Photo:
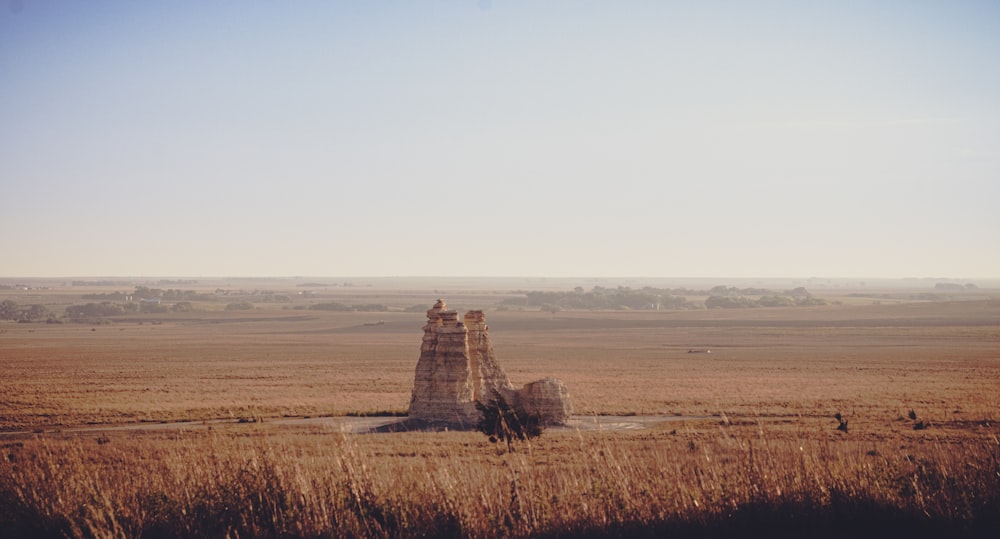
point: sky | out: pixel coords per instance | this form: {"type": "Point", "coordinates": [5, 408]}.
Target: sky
{"type": "Point", "coordinates": [500, 138]}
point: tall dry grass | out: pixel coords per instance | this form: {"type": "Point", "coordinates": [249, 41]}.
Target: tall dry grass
{"type": "Point", "coordinates": [706, 481]}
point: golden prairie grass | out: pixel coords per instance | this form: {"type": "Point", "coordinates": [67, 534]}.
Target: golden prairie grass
{"type": "Point", "coordinates": [709, 479]}
{"type": "Point", "coordinates": [770, 459]}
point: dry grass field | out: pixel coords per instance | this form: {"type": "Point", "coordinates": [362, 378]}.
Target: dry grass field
{"type": "Point", "coordinates": [766, 456]}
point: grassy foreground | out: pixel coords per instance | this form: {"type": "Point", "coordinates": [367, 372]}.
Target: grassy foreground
{"type": "Point", "coordinates": [696, 479]}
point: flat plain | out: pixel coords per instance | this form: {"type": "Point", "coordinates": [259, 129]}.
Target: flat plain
{"type": "Point", "coordinates": [917, 381]}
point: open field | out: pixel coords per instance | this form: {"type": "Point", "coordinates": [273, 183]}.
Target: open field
{"type": "Point", "coordinates": [873, 362]}
{"type": "Point", "coordinates": [770, 454]}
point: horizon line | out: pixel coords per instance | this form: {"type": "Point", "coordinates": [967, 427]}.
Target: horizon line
{"type": "Point", "coordinates": [499, 277]}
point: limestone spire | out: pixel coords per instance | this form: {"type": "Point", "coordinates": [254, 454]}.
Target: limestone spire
{"type": "Point", "coordinates": [458, 368]}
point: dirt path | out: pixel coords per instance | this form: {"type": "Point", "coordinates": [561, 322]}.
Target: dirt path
{"type": "Point", "coordinates": [345, 424]}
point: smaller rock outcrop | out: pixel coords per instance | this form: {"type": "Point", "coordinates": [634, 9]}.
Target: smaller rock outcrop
{"type": "Point", "coordinates": [458, 368]}
{"type": "Point", "coordinates": [546, 399]}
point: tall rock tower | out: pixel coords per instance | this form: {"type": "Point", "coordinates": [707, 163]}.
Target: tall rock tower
{"type": "Point", "coordinates": [442, 386]}
{"type": "Point", "coordinates": [458, 368]}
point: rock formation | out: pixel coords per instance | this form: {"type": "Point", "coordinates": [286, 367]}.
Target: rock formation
{"type": "Point", "coordinates": [548, 399]}
{"type": "Point", "coordinates": [458, 368]}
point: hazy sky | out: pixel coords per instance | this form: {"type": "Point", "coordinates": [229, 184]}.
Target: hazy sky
{"type": "Point", "coordinates": [562, 138]}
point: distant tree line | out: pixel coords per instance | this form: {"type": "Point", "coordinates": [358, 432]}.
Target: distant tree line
{"type": "Point", "coordinates": [955, 286]}
{"type": "Point", "coordinates": [743, 302]}
{"type": "Point", "coordinates": [173, 294]}
{"type": "Point", "coordinates": [10, 310]}
{"type": "Point", "coordinates": [96, 311]}
{"type": "Point", "coordinates": [145, 292]}
{"type": "Point", "coordinates": [89, 312]}
{"type": "Point", "coordinates": [722, 297]}
{"type": "Point", "coordinates": [649, 298]}
{"type": "Point", "coordinates": [600, 297]}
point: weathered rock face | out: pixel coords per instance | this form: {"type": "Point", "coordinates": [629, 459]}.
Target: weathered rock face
{"type": "Point", "coordinates": [548, 399]}
{"type": "Point", "coordinates": [458, 368]}
{"type": "Point", "coordinates": [488, 379]}
{"type": "Point", "coordinates": [442, 385]}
